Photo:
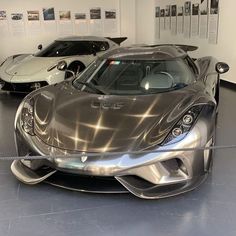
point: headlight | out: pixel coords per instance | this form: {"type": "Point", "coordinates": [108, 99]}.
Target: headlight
{"type": "Point", "coordinates": [180, 130]}
{"type": "Point", "coordinates": [61, 65]}
{"type": "Point", "coordinates": [27, 117]}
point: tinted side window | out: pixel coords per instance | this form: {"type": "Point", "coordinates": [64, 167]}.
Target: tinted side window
{"type": "Point", "coordinates": [65, 48]}
{"type": "Point", "coordinates": [99, 46]}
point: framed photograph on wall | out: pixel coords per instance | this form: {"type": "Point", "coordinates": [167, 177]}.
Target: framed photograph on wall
{"type": "Point", "coordinates": [157, 22]}
{"type": "Point", "coordinates": [173, 19]}
{"type": "Point", "coordinates": [213, 21]}
{"type": "Point", "coordinates": [110, 22]}
{"type": "Point", "coordinates": [80, 16]}
{"type": "Point", "coordinates": [49, 23]}
{"type": "Point", "coordinates": [33, 15]}
{"type": "Point", "coordinates": [3, 15]}
{"type": "Point", "coordinates": [48, 14]}
{"type": "Point", "coordinates": [33, 24]}
{"type": "Point", "coordinates": [95, 13]}
{"type": "Point", "coordinates": [65, 15]}
{"type": "Point", "coordinates": [96, 23]}
{"type": "Point", "coordinates": [110, 14]}
{"type": "Point", "coordinates": [180, 19]}
{"type": "Point", "coordinates": [4, 27]}
{"type": "Point", "coordinates": [162, 19]}
{"type": "Point", "coordinates": [167, 17]}
{"type": "Point", "coordinates": [195, 20]}
{"type": "Point", "coordinates": [187, 19]}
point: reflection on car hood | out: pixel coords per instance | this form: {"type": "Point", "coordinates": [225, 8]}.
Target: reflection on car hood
{"type": "Point", "coordinates": [26, 65]}
{"type": "Point", "coordinates": [73, 120]}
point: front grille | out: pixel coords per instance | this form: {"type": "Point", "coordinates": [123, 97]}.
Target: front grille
{"type": "Point", "coordinates": [21, 87]}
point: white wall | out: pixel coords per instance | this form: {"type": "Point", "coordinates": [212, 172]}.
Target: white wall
{"type": "Point", "coordinates": [136, 21]}
{"type": "Point", "coordinates": [225, 50]}
{"type": "Point", "coordinates": [28, 44]}
{"type": "Point", "coordinates": [145, 27]}
{"type": "Point", "coordinates": [128, 20]}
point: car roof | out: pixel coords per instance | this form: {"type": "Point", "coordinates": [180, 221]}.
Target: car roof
{"type": "Point", "coordinates": [82, 38]}
{"type": "Point", "coordinates": [156, 52]}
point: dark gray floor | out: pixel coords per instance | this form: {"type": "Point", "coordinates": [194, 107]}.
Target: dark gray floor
{"type": "Point", "coordinates": [45, 210]}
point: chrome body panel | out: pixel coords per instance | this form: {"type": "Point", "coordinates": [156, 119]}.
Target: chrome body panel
{"type": "Point", "coordinates": [152, 168]}
{"type": "Point", "coordinates": [107, 123]}
{"type": "Point", "coordinates": [141, 121]}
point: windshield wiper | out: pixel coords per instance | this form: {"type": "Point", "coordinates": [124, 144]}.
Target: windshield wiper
{"type": "Point", "coordinates": [91, 87]}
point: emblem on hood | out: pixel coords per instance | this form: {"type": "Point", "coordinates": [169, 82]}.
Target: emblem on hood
{"type": "Point", "coordinates": [107, 105]}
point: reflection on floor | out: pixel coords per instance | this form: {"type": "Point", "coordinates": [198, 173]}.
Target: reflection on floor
{"type": "Point", "coordinates": [44, 210]}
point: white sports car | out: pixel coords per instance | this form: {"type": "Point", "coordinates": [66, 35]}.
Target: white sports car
{"type": "Point", "coordinates": [53, 64]}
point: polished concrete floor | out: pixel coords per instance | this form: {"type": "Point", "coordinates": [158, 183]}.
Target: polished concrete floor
{"type": "Point", "coordinates": [45, 210]}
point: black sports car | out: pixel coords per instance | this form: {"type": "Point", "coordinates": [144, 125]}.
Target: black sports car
{"type": "Point", "coordinates": [102, 130]}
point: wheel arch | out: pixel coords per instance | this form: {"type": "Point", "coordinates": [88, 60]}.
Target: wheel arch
{"type": "Point", "coordinates": [75, 63]}
{"type": "Point", "coordinates": [73, 66]}
{"type": "Point", "coordinates": [217, 95]}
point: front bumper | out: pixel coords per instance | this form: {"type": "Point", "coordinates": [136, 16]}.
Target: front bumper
{"type": "Point", "coordinates": [149, 175]}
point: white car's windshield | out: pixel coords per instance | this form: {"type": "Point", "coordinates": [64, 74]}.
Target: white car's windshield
{"type": "Point", "coordinates": [133, 77]}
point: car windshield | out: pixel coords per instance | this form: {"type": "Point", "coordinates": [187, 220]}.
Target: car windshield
{"type": "Point", "coordinates": [65, 48]}
{"type": "Point", "coordinates": [136, 77]}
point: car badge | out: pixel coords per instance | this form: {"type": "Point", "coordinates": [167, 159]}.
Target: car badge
{"type": "Point", "coordinates": [84, 158]}
{"type": "Point", "coordinates": [107, 105]}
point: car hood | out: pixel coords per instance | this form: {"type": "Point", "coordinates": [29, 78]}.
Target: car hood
{"type": "Point", "coordinates": [73, 120]}
{"type": "Point", "coordinates": [26, 65]}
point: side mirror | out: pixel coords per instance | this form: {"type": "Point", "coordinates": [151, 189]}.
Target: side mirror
{"type": "Point", "coordinates": [40, 47]}
{"type": "Point", "coordinates": [222, 67]}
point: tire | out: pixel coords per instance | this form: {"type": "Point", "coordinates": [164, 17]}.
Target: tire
{"type": "Point", "coordinates": [76, 67]}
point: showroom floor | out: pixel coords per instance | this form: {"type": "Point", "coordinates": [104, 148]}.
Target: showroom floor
{"type": "Point", "coordinates": [45, 210]}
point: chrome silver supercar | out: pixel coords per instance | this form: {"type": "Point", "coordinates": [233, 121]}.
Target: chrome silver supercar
{"type": "Point", "coordinates": [131, 100]}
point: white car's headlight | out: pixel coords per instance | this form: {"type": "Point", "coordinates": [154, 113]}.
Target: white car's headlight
{"type": "Point", "coordinates": [61, 65]}
{"type": "Point", "coordinates": [27, 116]}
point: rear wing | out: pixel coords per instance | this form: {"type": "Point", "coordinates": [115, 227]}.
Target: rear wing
{"type": "Point", "coordinates": [186, 48]}
{"type": "Point", "coordinates": [118, 40]}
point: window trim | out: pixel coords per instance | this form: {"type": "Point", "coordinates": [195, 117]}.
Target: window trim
{"type": "Point", "coordinates": [192, 66]}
